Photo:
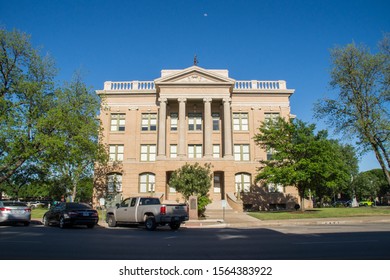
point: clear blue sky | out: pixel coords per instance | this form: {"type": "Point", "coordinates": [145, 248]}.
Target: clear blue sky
{"type": "Point", "coordinates": [254, 39]}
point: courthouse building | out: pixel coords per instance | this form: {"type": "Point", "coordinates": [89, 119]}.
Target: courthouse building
{"type": "Point", "coordinates": [192, 115]}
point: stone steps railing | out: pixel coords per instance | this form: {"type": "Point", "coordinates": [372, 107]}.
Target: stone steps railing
{"type": "Point", "coordinates": [251, 85]}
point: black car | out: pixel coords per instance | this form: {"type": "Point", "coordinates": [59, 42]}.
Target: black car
{"type": "Point", "coordinates": [70, 213]}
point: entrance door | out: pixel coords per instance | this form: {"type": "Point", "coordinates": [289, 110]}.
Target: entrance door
{"type": "Point", "coordinates": [219, 186]}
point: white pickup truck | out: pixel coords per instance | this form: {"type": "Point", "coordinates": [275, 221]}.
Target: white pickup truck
{"type": "Point", "coordinates": [147, 211]}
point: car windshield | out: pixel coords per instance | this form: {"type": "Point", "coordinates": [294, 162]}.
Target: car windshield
{"type": "Point", "coordinates": [14, 203]}
{"type": "Point", "coordinates": [77, 206]}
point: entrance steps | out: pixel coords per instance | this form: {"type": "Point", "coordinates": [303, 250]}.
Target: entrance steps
{"type": "Point", "coordinates": [217, 205]}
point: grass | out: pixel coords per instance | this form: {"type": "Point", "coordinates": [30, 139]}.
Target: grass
{"type": "Point", "coordinates": [323, 213]}
{"type": "Point", "coordinates": [37, 213]}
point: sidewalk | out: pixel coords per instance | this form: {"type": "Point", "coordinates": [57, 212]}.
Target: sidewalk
{"type": "Point", "coordinates": [234, 219]}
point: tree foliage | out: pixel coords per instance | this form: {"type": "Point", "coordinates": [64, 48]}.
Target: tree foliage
{"type": "Point", "coordinates": [370, 184]}
{"type": "Point", "coordinates": [26, 94]}
{"type": "Point", "coordinates": [75, 148]}
{"type": "Point", "coordinates": [303, 158]}
{"type": "Point", "coordinates": [193, 180]}
{"type": "Point", "coordinates": [44, 128]}
{"type": "Point", "coordinates": [361, 107]}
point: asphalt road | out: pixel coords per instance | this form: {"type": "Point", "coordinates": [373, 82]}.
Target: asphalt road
{"type": "Point", "coordinates": [293, 242]}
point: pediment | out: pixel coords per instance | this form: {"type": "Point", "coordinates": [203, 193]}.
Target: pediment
{"type": "Point", "coordinates": [195, 76]}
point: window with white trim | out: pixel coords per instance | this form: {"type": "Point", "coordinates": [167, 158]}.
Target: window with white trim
{"type": "Point", "coordinates": [118, 122]}
{"type": "Point", "coordinates": [148, 152]}
{"type": "Point", "coordinates": [116, 152]}
{"type": "Point", "coordinates": [241, 152]}
{"type": "Point", "coordinates": [195, 151]}
{"type": "Point", "coordinates": [147, 182]}
{"type": "Point", "coordinates": [149, 122]}
{"type": "Point", "coordinates": [173, 151]}
{"type": "Point", "coordinates": [275, 188]}
{"type": "Point", "coordinates": [240, 122]}
{"type": "Point", "coordinates": [194, 121]}
{"type": "Point", "coordinates": [216, 151]}
{"type": "Point", "coordinates": [243, 182]}
{"type": "Point", "coordinates": [114, 183]}
{"type": "Point", "coordinates": [271, 117]}
{"type": "Point", "coordinates": [216, 121]}
{"type": "Point", "coordinates": [174, 121]}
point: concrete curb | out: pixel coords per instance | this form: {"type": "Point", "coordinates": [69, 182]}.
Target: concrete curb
{"type": "Point", "coordinates": [255, 223]}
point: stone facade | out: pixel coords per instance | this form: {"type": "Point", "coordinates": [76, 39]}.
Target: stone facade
{"type": "Point", "coordinates": [187, 116]}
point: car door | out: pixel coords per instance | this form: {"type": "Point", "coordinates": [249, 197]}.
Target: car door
{"type": "Point", "coordinates": [55, 213]}
{"type": "Point", "coordinates": [122, 212]}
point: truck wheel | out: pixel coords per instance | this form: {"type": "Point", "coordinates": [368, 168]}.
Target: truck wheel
{"type": "Point", "coordinates": [150, 223]}
{"type": "Point", "coordinates": [174, 226]}
{"type": "Point", "coordinates": [111, 221]}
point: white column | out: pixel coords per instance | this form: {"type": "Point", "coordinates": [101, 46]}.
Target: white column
{"type": "Point", "coordinates": [208, 147]}
{"type": "Point", "coordinates": [227, 127]}
{"type": "Point", "coordinates": [162, 116]}
{"type": "Point", "coordinates": [182, 127]}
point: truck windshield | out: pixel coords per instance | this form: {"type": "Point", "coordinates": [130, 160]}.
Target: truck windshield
{"type": "Point", "coordinates": [149, 201]}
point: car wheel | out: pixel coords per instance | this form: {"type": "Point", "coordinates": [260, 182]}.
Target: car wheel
{"type": "Point", "coordinates": [62, 222]}
{"type": "Point", "coordinates": [26, 224]}
{"type": "Point", "coordinates": [174, 226]}
{"type": "Point", "coordinates": [90, 225]}
{"type": "Point", "coordinates": [111, 221]}
{"type": "Point", "coordinates": [150, 223]}
{"type": "Point", "coordinates": [45, 221]}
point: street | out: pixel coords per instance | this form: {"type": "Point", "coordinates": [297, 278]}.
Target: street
{"type": "Point", "coordinates": [293, 242]}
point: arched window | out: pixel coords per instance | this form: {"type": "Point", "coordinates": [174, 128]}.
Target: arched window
{"type": "Point", "coordinates": [114, 182]}
{"type": "Point", "coordinates": [147, 182]}
{"type": "Point", "coordinates": [243, 182]}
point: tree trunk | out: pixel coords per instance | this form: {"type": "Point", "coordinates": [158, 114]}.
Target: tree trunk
{"type": "Point", "coordinates": [381, 162]}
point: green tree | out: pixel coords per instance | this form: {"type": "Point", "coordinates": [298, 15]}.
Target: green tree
{"type": "Point", "coordinates": [301, 157]}
{"type": "Point", "coordinates": [370, 184]}
{"type": "Point", "coordinates": [193, 180]}
{"type": "Point", "coordinates": [75, 149]}
{"type": "Point", "coordinates": [26, 94]}
{"type": "Point", "coordinates": [361, 107]}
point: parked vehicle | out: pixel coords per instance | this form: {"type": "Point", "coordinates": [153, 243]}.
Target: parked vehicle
{"type": "Point", "coordinates": [70, 213]}
{"type": "Point", "coordinates": [365, 203]}
{"type": "Point", "coordinates": [147, 211]}
{"type": "Point", "coordinates": [341, 203]}
{"type": "Point", "coordinates": [36, 204]}
{"type": "Point", "coordinates": [14, 212]}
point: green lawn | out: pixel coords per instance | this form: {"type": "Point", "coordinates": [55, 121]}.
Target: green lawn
{"type": "Point", "coordinates": [38, 213]}
{"type": "Point", "coordinates": [323, 213]}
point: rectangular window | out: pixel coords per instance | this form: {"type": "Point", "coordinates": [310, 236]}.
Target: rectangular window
{"type": "Point", "coordinates": [114, 182]}
{"type": "Point", "coordinates": [148, 152]}
{"type": "Point", "coordinates": [194, 121]}
{"type": "Point", "coordinates": [240, 121]}
{"type": "Point", "coordinates": [149, 122]}
{"type": "Point", "coordinates": [118, 122]}
{"type": "Point", "coordinates": [275, 188]}
{"type": "Point", "coordinates": [271, 117]}
{"type": "Point", "coordinates": [116, 152]}
{"type": "Point", "coordinates": [216, 151]}
{"type": "Point", "coordinates": [173, 151]}
{"type": "Point", "coordinates": [146, 182]}
{"type": "Point", "coordinates": [241, 152]}
{"type": "Point", "coordinates": [174, 118]}
{"type": "Point", "coordinates": [216, 121]}
{"type": "Point", "coordinates": [195, 151]}
{"type": "Point", "coordinates": [270, 152]}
